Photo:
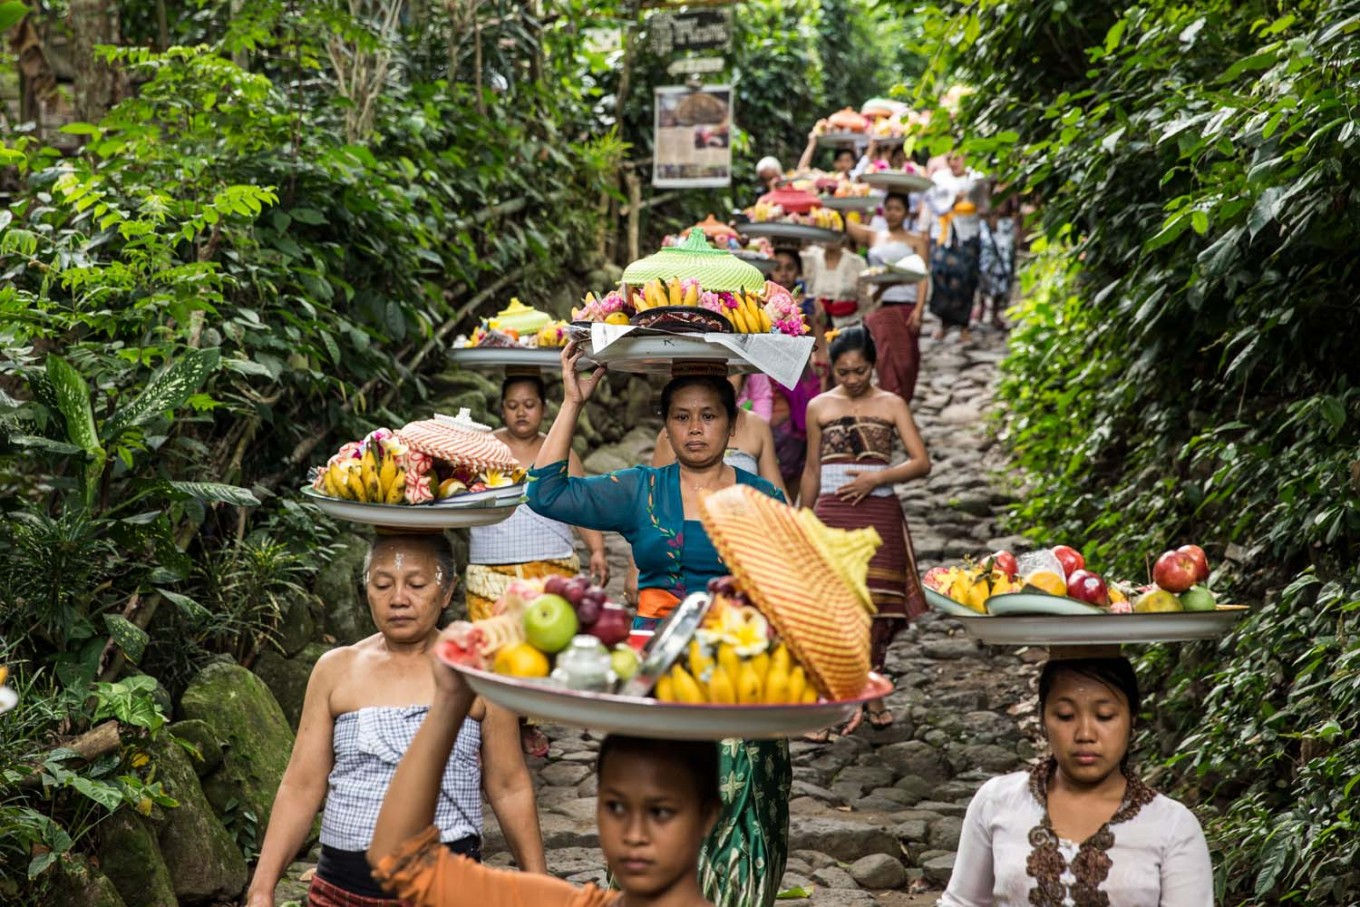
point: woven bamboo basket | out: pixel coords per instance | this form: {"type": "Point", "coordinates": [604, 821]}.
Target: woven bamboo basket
{"type": "Point", "coordinates": [807, 579]}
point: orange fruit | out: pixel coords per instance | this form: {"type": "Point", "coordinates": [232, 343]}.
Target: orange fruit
{"type": "Point", "coordinates": [1047, 581]}
{"type": "Point", "coordinates": [520, 660]}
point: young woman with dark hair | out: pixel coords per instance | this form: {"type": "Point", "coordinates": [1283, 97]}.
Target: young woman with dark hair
{"type": "Point", "coordinates": [849, 482]}
{"type": "Point", "coordinates": [1081, 827]}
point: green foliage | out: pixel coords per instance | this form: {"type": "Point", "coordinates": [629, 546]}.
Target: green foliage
{"type": "Point", "coordinates": [1183, 370]}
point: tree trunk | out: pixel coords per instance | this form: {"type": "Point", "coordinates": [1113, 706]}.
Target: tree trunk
{"type": "Point", "coordinates": [98, 85]}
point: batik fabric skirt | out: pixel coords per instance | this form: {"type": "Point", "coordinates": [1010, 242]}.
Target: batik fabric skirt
{"type": "Point", "coordinates": [894, 584]}
{"type": "Point", "coordinates": [742, 862]}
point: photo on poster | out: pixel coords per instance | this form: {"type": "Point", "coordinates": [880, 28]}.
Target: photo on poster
{"type": "Point", "coordinates": [693, 140]}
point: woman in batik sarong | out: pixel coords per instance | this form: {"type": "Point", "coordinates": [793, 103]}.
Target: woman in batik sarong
{"type": "Point", "coordinates": [851, 429]}
{"type": "Point", "coordinates": [657, 510]}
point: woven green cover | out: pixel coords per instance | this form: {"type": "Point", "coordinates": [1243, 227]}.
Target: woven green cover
{"type": "Point", "coordinates": [715, 269]}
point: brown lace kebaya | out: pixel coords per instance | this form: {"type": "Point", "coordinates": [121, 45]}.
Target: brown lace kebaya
{"type": "Point", "coordinates": [1091, 865]}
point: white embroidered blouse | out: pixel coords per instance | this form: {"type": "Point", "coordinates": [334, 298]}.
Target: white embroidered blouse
{"type": "Point", "coordinates": [1159, 857]}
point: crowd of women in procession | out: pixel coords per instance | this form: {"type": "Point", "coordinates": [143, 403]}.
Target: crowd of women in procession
{"type": "Point", "coordinates": [397, 754]}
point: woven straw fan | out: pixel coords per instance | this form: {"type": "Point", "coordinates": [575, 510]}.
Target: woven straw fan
{"type": "Point", "coordinates": [804, 577]}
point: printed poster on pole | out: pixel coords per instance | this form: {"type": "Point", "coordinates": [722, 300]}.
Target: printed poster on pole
{"type": "Point", "coordinates": [692, 144]}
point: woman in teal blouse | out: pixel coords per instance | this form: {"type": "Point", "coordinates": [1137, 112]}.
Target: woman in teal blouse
{"type": "Point", "coordinates": [657, 511]}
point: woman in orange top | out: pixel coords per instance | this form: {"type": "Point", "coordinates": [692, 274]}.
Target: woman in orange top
{"type": "Point", "coordinates": [657, 801]}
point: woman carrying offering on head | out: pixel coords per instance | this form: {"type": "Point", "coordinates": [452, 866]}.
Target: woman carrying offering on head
{"type": "Point", "coordinates": [896, 325]}
{"type": "Point", "coordinates": [1081, 828]}
{"type": "Point", "coordinates": [364, 704]}
{"type": "Point", "coordinates": [527, 545]}
{"type": "Point", "coordinates": [658, 801]}
{"type": "Point", "coordinates": [656, 510]}
{"type": "Point", "coordinates": [954, 229]}
{"type": "Point", "coordinates": [831, 274]}
{"type": "Point", "coordinates": [851, 429]}
{"type": "Point", "coordinates": [751, 449]}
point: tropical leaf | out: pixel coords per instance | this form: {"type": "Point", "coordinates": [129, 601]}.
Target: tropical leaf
{"type": "Point", "coordinates": [35, 442]}
{"type": "Point", "coordinates": [129, 637]}
{"type": "Point", "coordinates": [168, 390]}
{"type": "Point", "coordinates": [216, 493]}
{"type": "Point", "coordinates": [187, 606]}
{"type": "Point", "coordinates": [12, 13]}
{"type": "Point", "coordinates": [73, 401]}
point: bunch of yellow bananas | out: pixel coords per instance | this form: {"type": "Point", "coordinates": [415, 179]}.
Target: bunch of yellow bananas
{"type": "Point", "coordinates": [375, 478]}
{"type": "Point", "coordinates": [827, 219]}
{"type": "Point", "coordinates": [770, 678]}
{"type": "Point", "coordinates": [656, 294]}
{"type": "Point", "coordinates": [749, 316]}
{"type": "Point", "coordinates": [761, 212]}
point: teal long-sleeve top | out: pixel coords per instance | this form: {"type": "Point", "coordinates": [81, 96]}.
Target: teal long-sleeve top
{"type": "Point", "coordinates": [643, 504]}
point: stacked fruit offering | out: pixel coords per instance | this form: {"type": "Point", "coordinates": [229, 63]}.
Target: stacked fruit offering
{"type": "Point", "coordinates": [765, 212]}
{"type": "Point", "coordinates": [773, 310]}
{"type": "Point", "coordinates": [735, 658]}
{"type": "Point", "coordinates": [1179, 579]}
{"type": "Point", "coordinates": [539, 622]}
{"type": "Point", "coordinates": [426, 461]}
{"type": "Point", "coordinates": [517, 326]}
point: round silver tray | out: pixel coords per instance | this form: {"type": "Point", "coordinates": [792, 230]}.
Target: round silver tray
{"type": "Point", "coordinates": [613, 713]}
{"type": "Point", "coordinates": [654, 354]}
{"type": "Point", "coordinates": [842, 138]}
{"type": "Point", "coordinates": [894, 278]}
{"type": "Point", "coordinates": [892, 179]}
{"type": "Point", "coordinates": [852, 202]}
{"type": "Point", "coordinates": [780, 230]}
{"type": "Point", "coordinates": [501, 356]}
{"type": "Point", "coordinates": [765, 263]}
{"type": "Point", "coordinates": [450, 514]}
{"type": "Point", "coordinates": [1100, 629]}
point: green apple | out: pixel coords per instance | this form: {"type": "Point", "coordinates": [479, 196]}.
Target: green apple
{"type": "Point", "coordinates": [1198, 598]}
{"type": "Point", "coordinates": [624, 661]}
{"type": "Point", "coordinates": [1156, 601]}
{"type": "Point", "coordinates": [549, 623]}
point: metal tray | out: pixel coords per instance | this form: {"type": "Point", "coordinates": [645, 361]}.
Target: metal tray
{"type": "Point", "coordinates": [892, 179]}
{"type": "Point", "coordinates": [779, 230]}
{"type": "Point", "coordinates": [450, 514]}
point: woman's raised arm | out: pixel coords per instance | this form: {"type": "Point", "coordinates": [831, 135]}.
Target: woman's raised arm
{"type": "Point", "coordinates": [575, 392]}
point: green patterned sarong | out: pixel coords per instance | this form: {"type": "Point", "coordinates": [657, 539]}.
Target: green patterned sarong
{"type": "Point", "coordinates": [742, 862]}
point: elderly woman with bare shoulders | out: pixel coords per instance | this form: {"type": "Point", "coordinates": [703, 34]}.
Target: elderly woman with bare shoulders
{"type": "Point", "coordinates": [363, 706]}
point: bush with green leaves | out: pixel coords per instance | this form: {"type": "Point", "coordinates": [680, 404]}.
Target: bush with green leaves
{"type": "Point", "coordinates": [1183, 370]}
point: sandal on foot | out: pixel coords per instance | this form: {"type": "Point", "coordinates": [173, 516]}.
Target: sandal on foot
{"type": "Point", "coordinates": [823, 736]}
{"type": "Point", "coordinates": [880, 720]}
{"type": "Point", "coordinates": [853, 724]}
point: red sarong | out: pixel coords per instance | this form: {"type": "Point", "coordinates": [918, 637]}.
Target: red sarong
{"type": "Point", "coordinates": [894, 584]}
{"type": "Point", "coordinates": [323, 894]}
{"type": "Point", "coordinates": [898, 345]}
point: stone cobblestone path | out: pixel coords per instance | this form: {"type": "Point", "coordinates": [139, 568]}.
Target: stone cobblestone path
{"type": "Point", "coordinates": [876, 815]}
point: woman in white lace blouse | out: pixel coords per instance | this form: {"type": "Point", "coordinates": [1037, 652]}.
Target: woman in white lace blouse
{"type": "Point", "coordinates": [1081, 829]}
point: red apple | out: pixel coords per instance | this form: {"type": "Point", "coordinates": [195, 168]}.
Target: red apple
{"type": "Point", "coordinates": [1006, 563]}
{"type": "Point", "coordinates": [1175, 571]}
{"type": "Point", "coordinates": [935, 578]}
{"type": "Point", "coordinates": [1086, 586]}
{"type": "Point", "coordinates": [555, 584]}
{"type": "Point", "coordinates": [1070, 558]}
{"type": "Point", "coordinates": [612, 626]}
{"type": "Point", "coordinates": [1197, 555]}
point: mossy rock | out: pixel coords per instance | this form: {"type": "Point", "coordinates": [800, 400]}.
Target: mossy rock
{"type": "Point", "coordinates": [77, 881]}
{"type": "Point", "coordinates": [339, 585]}
{"type": "Point", "coordinates": [287, 677]}
{"type": "Point", "coordinates": [247, 718]}
{"type": "Point", "coordinates": [200, 855]}
{"type": "Point", "coordinates": [201, 735]}
{"type": "Point", "coordinates": [457, 380]}
{"type": "Point", "coordinates": [131, 859]}
{"type": "Point", "coordinates": [298, 627]}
